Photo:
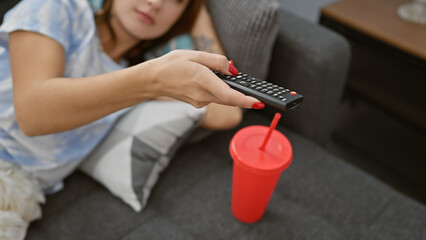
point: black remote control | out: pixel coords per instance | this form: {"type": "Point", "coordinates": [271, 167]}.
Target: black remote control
{"type": "Point", "coordinates": [264, 91]}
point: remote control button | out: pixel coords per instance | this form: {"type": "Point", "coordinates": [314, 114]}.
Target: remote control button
{"type": "Point", "coordinates": [269, 91]}
{"type": "Point", "coordinates": [244, 83]}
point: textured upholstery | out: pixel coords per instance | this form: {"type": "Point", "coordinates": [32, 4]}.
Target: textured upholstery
{"type": "Point", "coordinates": [313, 61]}
{"type": "Point", "coordinates": [318, 197]}
{"type": "Point", "coordinates": [247, 30]}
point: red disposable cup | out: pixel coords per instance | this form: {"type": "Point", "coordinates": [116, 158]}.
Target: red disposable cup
{"type": "Point", "coordinates": [256, 172]}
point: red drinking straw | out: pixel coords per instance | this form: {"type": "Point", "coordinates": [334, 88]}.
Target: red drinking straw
{"type": "Point", "coordinates": [271, 129]}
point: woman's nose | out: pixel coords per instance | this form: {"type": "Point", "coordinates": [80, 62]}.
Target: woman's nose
{"type": "Point", "coordinates": [155, 3]}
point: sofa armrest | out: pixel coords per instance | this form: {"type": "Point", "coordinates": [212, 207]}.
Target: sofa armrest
{"type": "Point", "coordinates": [312, 60]}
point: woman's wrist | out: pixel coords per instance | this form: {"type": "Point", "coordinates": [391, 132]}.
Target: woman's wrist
{"type": "Point", "coordinates": [143, 82]}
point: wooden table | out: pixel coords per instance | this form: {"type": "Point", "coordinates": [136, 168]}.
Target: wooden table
{"type": "Point", "coordinates": [389, 55]}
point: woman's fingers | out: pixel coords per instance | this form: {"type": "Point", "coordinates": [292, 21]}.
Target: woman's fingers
{"type": "Point", "coordinates": [187, 75]}
{"type": "Point", "coordinates": [234, 98]}
{"type": "Point", "coordinates": [224, 94]}
{"type": "Point", "coordinates": [210, 60]}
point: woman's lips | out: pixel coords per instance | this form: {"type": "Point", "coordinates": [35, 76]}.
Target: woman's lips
{"type": "Point", "coordinates": [145, 17]}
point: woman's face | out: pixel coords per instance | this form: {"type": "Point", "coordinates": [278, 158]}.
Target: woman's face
{"type": "Point", "coordinates": [146, 19]}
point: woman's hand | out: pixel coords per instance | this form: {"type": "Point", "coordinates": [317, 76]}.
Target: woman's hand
{"type": "Point", "coordinates": [187, 75]}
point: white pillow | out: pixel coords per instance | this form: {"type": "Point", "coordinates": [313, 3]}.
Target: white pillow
{"type": "Point", "coordinates": [128, 162]}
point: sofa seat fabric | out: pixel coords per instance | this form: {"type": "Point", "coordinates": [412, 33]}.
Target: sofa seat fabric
{"type": "Point", "coordinates": [318, 197]}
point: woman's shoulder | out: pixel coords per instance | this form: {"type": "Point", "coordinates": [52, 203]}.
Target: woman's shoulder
{"type": "Point", "coordinates": [50, 12]}
{"type": "Point", "coordinates": [54, 6]}
{"type": "Point", "coordinates": [66, 21]}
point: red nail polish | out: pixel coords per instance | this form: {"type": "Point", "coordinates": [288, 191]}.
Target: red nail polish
{"type": "Point", "coordinates": [258, 105]}
{"type": "Point", "coordinates": [232, 68]}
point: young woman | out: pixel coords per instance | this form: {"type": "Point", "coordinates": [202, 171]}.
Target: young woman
{"type": "Point", "coordinates": [67, 74]}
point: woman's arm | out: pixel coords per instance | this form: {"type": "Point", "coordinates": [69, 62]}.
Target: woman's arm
{"type": "Point", "coordinates": [204, 34]}
{"type": "Point", "coordinates": [45, 102]}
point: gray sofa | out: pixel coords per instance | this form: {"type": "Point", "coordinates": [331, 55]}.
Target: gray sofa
{"type": "Point", "coordinates": [318, 197]}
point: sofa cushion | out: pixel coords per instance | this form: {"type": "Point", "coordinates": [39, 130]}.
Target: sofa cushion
{"type": "Point", "coordinates": [318, 197]}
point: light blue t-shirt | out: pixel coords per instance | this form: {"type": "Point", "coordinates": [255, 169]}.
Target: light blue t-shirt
{"type": "Point", "coordinates": [71, 23]}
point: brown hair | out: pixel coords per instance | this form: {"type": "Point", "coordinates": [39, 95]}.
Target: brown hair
{"type": "Point", "coordinates": [136, 54]}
